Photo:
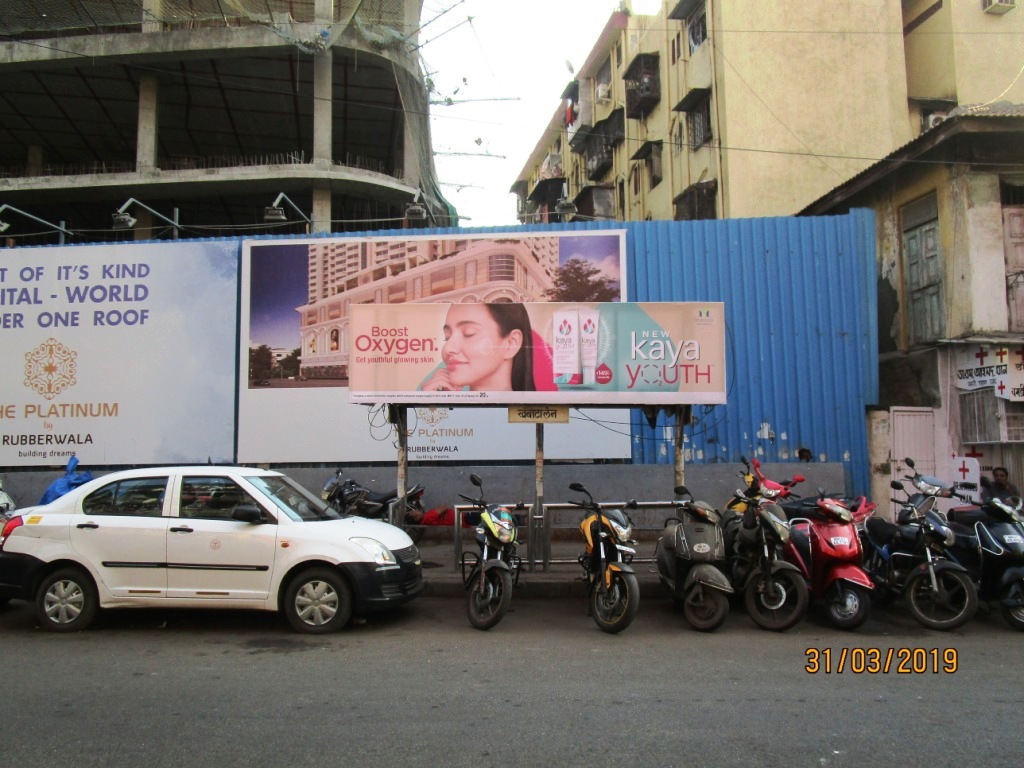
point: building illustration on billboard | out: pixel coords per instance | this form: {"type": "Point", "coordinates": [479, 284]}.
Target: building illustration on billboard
{"type": "Point", "coordinates": [492, 269]}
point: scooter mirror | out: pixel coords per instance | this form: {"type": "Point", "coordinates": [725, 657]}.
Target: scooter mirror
{"type": "Point", "coordinates": [578, 487]}
{"type": "Point", "coordinates": [798, 479]}
{"type": "Point", "coordinates": [681, 490]}
{"type": "Point", "coordinates": [909, 462]}
{"type": "Point", "coordinates": [896, 485]}
{"type": "Point", "coordinates": [474, 478]}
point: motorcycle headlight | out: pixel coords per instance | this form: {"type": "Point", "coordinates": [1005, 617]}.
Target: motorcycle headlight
{"type": "Point", "coordinates": [505, 529]}
{"type": "Point", "coordinates": [946, 534]}
{"type": "Point", "coordinates": [769, 493]}
{"type": "Point", "coordinates": [381, 555]}
{"type": "Point", "coordinates": [624, 532]}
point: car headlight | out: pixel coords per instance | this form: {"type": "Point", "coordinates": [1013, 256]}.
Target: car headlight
{"type": "Point", "coordinates": [381, 555]}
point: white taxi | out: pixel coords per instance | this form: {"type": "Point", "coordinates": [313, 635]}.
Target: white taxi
{"type": "Point", "coordinates": [203, 537]}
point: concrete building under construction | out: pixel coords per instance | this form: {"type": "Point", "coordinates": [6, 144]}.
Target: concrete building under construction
{"type": "Point", "coordinates": [209, 118]}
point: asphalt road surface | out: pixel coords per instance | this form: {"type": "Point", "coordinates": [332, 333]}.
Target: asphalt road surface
{"type": "Point", "coordinates": [420, 687]}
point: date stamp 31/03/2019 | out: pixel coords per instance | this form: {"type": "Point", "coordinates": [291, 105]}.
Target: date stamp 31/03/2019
{"type": "Point", "coordinates": [873, 661]}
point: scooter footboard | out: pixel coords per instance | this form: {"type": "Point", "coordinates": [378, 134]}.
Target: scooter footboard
{"type": "Point", "coordinates": [851, 573]}
{"type": "Point", "coordinates": [709, 576]}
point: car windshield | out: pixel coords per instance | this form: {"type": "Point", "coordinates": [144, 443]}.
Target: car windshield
{"type": "Point", "coordinates": [294, 500]}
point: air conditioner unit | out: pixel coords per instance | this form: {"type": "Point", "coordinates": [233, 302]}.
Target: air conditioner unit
{"type": "Point", "coordinates": [604, 93]}
{"type": "Point", "coordinates": [935, 118]}
{"type": "Point", "coordinates": [998, 6]}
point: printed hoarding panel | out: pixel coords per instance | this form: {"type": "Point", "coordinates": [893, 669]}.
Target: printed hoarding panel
{"type": "Point", "coordinates": [979, 366]}
{"type": "Point", "coordinates": [120, 354]}
{"type": "Point", "coordinates": [295, 327]}
{"type": "Point", "coordinates": [552, 353]}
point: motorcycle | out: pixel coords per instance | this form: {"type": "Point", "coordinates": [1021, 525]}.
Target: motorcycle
{"type": "Point", "coordinates": [613, 592]}
{"type": "Point", "coordinates": [989, 543]}
{"type": "Point", "coordinates": [755, 527]}
{"type": "Point", "coordinates": [909, 558]}
{"type": "Point", "coordinates": [825, 546]}
{"type": "Point", "coordinates": [351, 498]}
{"type": "Point", "coordinates": [491, 574]}
{"type": "Point", "coordinates": [688, 557]}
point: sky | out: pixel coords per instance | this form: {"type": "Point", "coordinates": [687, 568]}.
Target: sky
{"type": "Point", "coordinates": [508, 64]}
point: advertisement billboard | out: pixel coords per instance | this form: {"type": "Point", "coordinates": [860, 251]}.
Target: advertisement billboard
{"type": "Point", "coordinates": [118, 354]}
{"type": "Point", "coordinates": [296, 329]}
{"type": "Point", "coordinates": [550, 353]}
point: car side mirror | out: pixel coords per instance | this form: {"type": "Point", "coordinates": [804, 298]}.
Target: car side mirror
{"type": "Point", "coordinates": [247, 513]}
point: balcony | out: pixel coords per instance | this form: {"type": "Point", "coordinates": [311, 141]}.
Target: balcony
{"type": "Point", "coordinates": [643, 85]}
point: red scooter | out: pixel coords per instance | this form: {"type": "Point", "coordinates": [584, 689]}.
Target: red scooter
{"type": "Point", "coordinates": [825, 546]}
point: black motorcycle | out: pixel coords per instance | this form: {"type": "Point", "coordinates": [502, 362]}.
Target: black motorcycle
{"type": "Point", "coordinates": [689, 557]}
{"type": "Point", "coordinates": [490, 574]}
{"type": "Point", "coordinates": [774, 590]}
{"type": "Point", "coordinates": [613, 592]}
{"type": "Point", "coordinates": [910, 558]}
{"type": "Point", "coordinates": [351, 498]}
{"type": "Point", "coordinates": [989, 543]}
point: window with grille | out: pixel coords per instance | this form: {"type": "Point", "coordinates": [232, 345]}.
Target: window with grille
{"type": "Point", "coordinates": [979, 417]}
{"type": "Point", "coordinates": [698, 123]}
{"type": "Point", "coordinates": [985, 418]}
{"type": "Point", "coordinates": [653, 163]}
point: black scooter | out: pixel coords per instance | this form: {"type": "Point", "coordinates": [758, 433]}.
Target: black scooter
{"type": "Point", "coordinates": [990, 545]}
{"type": "Point", "coordinates": [689, 556]}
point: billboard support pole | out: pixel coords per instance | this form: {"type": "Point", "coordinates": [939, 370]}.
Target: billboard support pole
{"type": "Point", "coordinates": [538, 516]}
{"type": "Point", "coordinates": [682, 414]}
{"type": "Point", "coordinates": [399, 417]}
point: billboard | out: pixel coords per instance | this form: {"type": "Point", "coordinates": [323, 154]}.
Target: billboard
{"type": "Point", "coordinates": [296, 331]}
{"type": "Point", "coordinates": [1000, 366]}
{"type": "Point", "coordinates": [549, 353]}
{"type": "Point", "coordinates": [120, 354]}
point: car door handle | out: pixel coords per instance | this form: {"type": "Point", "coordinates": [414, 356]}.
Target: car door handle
{"type": "Point", "coordinates": [88, 525]}
{"type": "Point", "coordinates": [182, 529]}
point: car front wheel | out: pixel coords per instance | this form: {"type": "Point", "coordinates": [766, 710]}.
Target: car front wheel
{"type": "Point", "coordinates": [318, 601]}
{"type": "Point", "coordinates": [66, 601]}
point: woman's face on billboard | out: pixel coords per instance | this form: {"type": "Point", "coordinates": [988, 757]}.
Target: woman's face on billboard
{"type": "Point", "coordinates": [474, 352]}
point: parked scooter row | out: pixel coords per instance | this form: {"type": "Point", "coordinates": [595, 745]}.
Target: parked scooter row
{"type": "Point", "coordinates": [781, 552]}
{"type": "Point", "coordinates": [945, 565]}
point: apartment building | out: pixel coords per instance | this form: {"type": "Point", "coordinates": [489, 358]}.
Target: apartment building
{"type": "Point", "coordinates": [731, 109]}
{"type": "Point", "coordinates": [194, 118]}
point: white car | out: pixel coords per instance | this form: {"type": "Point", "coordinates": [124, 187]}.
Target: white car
{"type": "Point", "coordinates": [203, 537]}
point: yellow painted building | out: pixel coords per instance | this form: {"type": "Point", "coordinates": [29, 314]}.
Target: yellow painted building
{"type": "Point", "coordinates": [731, 109]}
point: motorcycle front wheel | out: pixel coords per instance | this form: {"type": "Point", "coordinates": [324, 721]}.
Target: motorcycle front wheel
{"type": "Point", "coordinates": [1014, 614]}
{"type": "Point", "coordinates": [848, 605]}
{"type": "Point", "coordinates": [706, 609]}
{"type": "Point", "coordinates": [487, 602]}
{"type": "Point", "coordinates": [949, 607]}
{"type": "Point", "coordinates": [615, 608]}
{"type": "Point", "coordinates": [777, 605]}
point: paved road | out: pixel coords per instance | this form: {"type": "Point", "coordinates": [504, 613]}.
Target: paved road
{"type": "Point", "coordinates": [419, 687]}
